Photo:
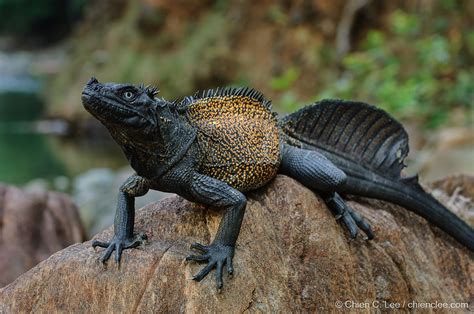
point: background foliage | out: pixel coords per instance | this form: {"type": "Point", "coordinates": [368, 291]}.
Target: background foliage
{"type": "Point", "coordinates": [412, 70]}
{"type": "Point", "coordinates": [412, 58]}
{"type": "Point", "coordinates": [35, 18]}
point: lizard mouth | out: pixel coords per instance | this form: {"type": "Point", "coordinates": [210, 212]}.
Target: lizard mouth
{"type": "Point", "coordinates": [85, 97]}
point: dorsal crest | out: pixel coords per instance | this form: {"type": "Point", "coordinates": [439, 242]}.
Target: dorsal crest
{"type": "Point", "coordinates": [150, 90]}
{"type": "Point", "coordinates": [244, 92]}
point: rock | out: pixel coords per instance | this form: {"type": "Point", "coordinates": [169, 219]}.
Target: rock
{"type": "Point", "coordinates": [457, 191]}
{"type": "Point", "coordinates": [34, 225]}
{"type": "Point", "coordinates": [291, 256]}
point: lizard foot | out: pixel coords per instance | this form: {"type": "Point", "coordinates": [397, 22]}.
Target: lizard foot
{"type": "Point", "coordinates": [352, 219]}
{"type": "Point", "coordinates": [118, 244]}
{"type": "Point", "coordinates": [216, 255]}
{"type": "Point", "coordinates": [349, 217]}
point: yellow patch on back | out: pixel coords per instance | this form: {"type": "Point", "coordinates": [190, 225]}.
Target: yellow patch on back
{"type": "Point", "coordinates": [238, 139]}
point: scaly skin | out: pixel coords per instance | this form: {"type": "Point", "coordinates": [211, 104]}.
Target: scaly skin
{"type": "Point", "coordinates": [212, 147]}
{"type": "Point", "coordinates": [226, 125]}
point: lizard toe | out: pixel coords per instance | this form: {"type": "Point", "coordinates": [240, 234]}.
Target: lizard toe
{"type": "Point", "coordinates": [197, 258]}
{"type": "Point", "coordinates": [199, 247]}
{"type": "Point", "coordinates": [362, 224]}
{"type": "Point", "coordinates": [217, 256]}
{"type": "Point", "coordinates": [97, 243]}
{"type": "Point", "coordinates": [118, 244]}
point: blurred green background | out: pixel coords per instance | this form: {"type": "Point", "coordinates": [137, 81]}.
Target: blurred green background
{"type": "Point", "coordinates": [411, 58]}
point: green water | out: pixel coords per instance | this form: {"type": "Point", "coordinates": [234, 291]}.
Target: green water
{"type": "Point", "coordinates": [26, 155]}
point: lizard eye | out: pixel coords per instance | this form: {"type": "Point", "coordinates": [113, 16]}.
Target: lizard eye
{"type": "Point", "coordinates": [128, 95]}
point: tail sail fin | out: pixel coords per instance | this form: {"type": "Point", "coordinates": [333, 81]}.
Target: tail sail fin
{"type": "Point", "coordinates": [370, 147]}
{"type": "Point", "coordinates": [353, 130]}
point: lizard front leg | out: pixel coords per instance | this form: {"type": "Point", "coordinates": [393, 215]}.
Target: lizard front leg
{"type": "Point", "coordinates": [124, 219]}
{"type": "Point", "coordinates": [220, 252]}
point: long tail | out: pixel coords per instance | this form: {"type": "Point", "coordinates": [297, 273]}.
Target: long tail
{"type": "Point", "coordinates": [412, 196]}
{"type": "Point", "coordinates": [370, 147]}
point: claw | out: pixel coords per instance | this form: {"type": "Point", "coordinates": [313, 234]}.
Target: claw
{"type": "Point", "coordinates": [219, 267]}
{"type": "Point", "coordinates": [230, 268]}
{"type": "Point", "coordinates": [341, 214]}
{"type": "Point", "coordinates": [369, 234]}
{"type": "Point", "coordinates": [118, 252]}
{"type": "Point", "coordinates": [134, 243]}
{"type": "Point", "coordinates": [142, 236]}
{"type": "Point", "coordinates": [367, 230]}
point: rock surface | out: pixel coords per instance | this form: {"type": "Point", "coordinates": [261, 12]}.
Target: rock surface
{"type": "Point", "coordinates": [457, 191]}
{"type": "Point", "coordinates": [292, 256]}
{"type": "Point", "coordinates": [34, 225]}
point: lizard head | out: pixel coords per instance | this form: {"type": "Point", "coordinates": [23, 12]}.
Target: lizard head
{"type": "Point", "coordinates": [129, 107]}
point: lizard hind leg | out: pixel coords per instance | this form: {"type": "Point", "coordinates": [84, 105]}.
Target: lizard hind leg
{"type": "Point", "coordinates": [318, 173]}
